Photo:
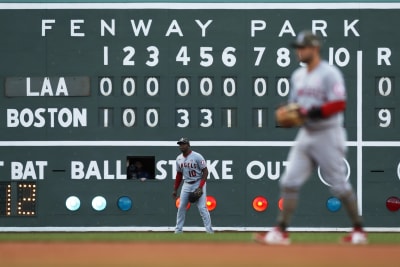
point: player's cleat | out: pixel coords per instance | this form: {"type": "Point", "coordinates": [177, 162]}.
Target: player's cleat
{"type": "Point", "coordinates": [355, 237]}
{"type": "Point", "coordinates": [260, 238]}
{"type": "Point", "coordinates": [274, 237]}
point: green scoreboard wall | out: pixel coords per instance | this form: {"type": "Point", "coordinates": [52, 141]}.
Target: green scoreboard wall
{"type": "Point", "coordinates": [89, 87]}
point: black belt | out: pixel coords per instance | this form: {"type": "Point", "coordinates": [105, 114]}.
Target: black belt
{"type": "Point", "coordinates": [190, 182]}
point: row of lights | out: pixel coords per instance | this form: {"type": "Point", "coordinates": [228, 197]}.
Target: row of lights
{"type": "Point", "coordinates": [259, 203]}
{"type": "Point", "coordinates": [211, 203]}
{"type": "Point", "coordinates": [333, 204]}
{"type": "Point", "coordinates": [124, 203]}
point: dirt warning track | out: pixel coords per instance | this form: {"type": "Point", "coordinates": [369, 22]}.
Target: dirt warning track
{"type": "Point", "coordinates": [174, 254]}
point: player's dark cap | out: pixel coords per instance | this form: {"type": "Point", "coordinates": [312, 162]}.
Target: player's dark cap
{"type": "Point", "coordinates": [183, 140]}
{"type": "Point", "coordinates": [306, 39]}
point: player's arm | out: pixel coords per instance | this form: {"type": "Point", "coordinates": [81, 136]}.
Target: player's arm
{"type": "Point", "coordinates": [335, 97]}
{"type": "Point", "coordinates": [326, 110]}
{"type": "Point", "coordinates": [204, 176]}
{"type": "Point", "coordinates": [178, 181]}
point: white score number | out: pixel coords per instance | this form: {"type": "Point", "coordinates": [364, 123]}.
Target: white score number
{"type": "Point", "coordinates": [385, 117]}
{"type": "Point", "coordinates": [384, 90]}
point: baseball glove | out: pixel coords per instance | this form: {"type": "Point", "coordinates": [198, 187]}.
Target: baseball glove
{"type": "Point", "coordinates": [289, 115]}
{"type": "Point", "coordinates": [195, 195]}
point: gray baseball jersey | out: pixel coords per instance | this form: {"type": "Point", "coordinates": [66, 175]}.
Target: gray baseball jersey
{"type": "Point", "coordinates": [191, 166]}
{"type": "Point", "coordinates": [324, 84]}
{"type": "Point", "coordinates": [320, 141]}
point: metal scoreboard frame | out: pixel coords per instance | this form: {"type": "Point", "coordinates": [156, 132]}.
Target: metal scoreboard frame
{"type": "Point", "coordinates": [91, 87]}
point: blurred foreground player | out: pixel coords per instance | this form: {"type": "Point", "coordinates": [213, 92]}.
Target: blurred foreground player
{"type": "Point", "coordinates": [320, 92]}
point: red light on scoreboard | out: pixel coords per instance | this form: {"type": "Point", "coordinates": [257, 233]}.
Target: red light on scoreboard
{"type": "Point", "coordinates": [211, 203]}
{"type": "Point", "coordinates": [393, 203]}
{"type": "Point", "coordinates": [178, 201]}
{"type": "Point", "coordinates": [260, 204]}
{"type": "Point", "coordinates": [280, 204]}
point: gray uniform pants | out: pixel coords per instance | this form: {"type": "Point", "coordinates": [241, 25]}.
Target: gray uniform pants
{"type": "Point", "coordinates": [201, 205]}
{"type": "Point", "coordinates": [326, 148]}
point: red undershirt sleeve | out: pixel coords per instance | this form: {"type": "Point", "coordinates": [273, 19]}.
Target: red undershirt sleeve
{"type": "Point", "coordinates": [331, 108]}
{"type": "Point", "coordinates": [178, 180]}
{"type": "Point", "coordinates": [202, 182]}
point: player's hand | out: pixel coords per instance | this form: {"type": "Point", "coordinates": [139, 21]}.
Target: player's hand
{"type": "Point", "coordinates": [195, 195]}
{"type": "Point", "coordinates": [289, 115]}
{"type": "Point", "coordinates": [199, 191]}
{"type": "Point", "coordinates": [174, 194]}
{"type": "Point", "coordinates": [303, 112]}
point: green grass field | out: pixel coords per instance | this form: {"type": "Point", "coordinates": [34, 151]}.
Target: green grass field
{"type": "Point", "coordinates": [374, 238]}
